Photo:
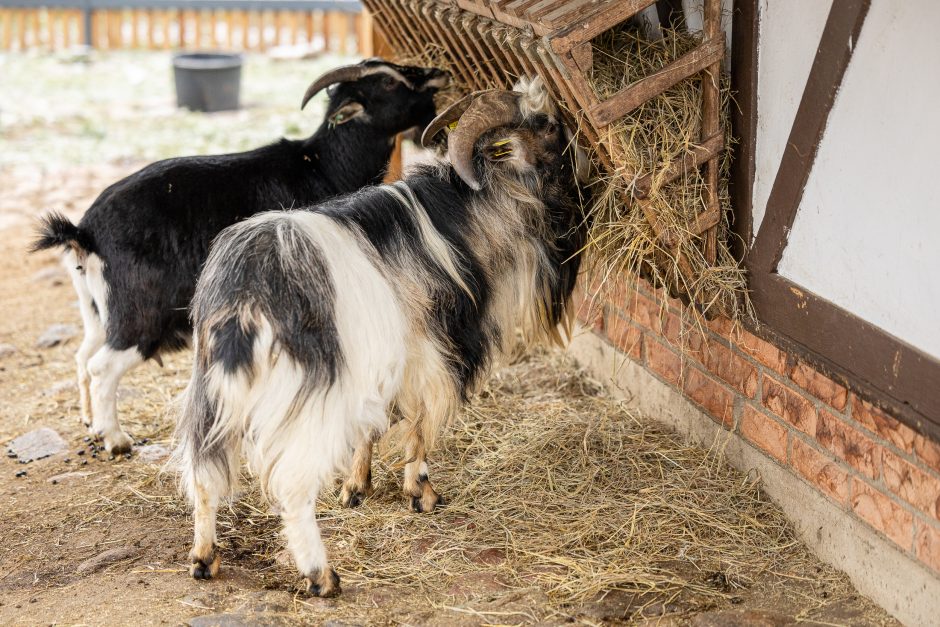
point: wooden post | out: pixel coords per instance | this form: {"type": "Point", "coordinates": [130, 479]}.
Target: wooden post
{"type": "Point", "coordinates": [308, 21]}
{"type": "Point", "coordinates": [197, 18]}
{"type": "Point", "coordinates": [167, 28]}
{"type": "Point", "coordinates": [114, 29]}
{"type": "Point", "coordinates": [364, 37]}
{"type": "Point", "coordinates": [711, 85]}
{"type": "Point", "coordinates": [6, 19]}
{"type": "Point", "coordinates": [245, 18]}
{"type": "Point", "coordinates": [327, 30]}
{"type": "Point", "coordinates": [293, 19]}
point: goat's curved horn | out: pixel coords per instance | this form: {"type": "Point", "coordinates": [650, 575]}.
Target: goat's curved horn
{"type": "Point", "coordinates": [446, 117]}
{"type": "Point", "coordinates": [488, 110]}
{"type": "Point", "coordinates": [342, 74]}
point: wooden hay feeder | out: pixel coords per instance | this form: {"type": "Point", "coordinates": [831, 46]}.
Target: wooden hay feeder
{"type": "Point", "coordinates": [490, 43]}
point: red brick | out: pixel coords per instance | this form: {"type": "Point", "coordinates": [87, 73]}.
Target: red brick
{"type": "Point", "coordinates": [765, 432]}
{"type": "Point", "coordinates": [927, 451]}
{"type": "Point", "coordinates": [624, 336]}
{"type": "Point", "coordinates": [927, 546]}
{"type": "Point", "coordinates": [912, 485]}
{"type": "Point", "coordinates": [763, 351]}
{"type": "Point", "coordinates": [885, 426]}
{"type": "Point", "coordinates": [724, 363]}
{"type": "Point", "coordinates": [663, 361]}
{"type": "Point", "coordinates": [722, 326]}
{"type": "Point", "coordinates": [711, 395]}
{"type": "Point", "coordinates": [642, 310]}
{"type": "Point", "coordinates": [790, 406]}
{"type": "Point", "coordinates": [819, 385]}
{"type": "Point", "coordinates": [848, 443]}
{"type": "Point", "coordinates": [827, 475]}
{"type": "Point", "coordinates": [882, 513]}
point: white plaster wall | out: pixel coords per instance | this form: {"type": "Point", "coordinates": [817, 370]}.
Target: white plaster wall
{"type": "Point", "coordinates": [789, 35]}
{"type": "Point", "coordinates": [866, 235]}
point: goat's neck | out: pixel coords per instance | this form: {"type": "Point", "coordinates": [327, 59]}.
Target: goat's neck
{"type": "Point", "coordinates": [350, 156]}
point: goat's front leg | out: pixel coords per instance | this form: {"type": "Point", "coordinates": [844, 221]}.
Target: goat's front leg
{"type": "Point", "coordinates": [306, 545]}
{"type": "Point", "coordinates": [359, 483]}
{"type": "Point", "coordinates": [417, 485]}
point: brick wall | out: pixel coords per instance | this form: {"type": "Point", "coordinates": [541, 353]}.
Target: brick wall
{"type": "Point", "coordinates": [863, 460]}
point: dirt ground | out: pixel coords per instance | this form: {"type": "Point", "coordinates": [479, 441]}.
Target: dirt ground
{"type": "Point", "coordinates": [562, 506]}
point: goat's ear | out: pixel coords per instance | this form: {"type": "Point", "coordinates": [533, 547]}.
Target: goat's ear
{"type": "Point", "coordinates": [346, 112]}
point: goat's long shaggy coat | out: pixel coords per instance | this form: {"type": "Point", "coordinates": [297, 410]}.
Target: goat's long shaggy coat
{"type": "Point", "coordinates": [310, 325]}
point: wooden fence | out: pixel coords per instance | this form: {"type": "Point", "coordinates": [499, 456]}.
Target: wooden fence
{"type": "Point", "coordinates": [333, 25]}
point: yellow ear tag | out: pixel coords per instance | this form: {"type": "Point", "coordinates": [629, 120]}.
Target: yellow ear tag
{"type": "Point", "coordinates": [452, 125]}
{"type": "Point", "coordinates": [501, 142]}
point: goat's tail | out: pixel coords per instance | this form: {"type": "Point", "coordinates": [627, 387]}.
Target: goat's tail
{"type": "Point", "coordinates": [57, 230]}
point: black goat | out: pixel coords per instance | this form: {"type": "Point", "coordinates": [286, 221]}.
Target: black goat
{"type": "Point", "coordinates": [310, 325]}
{"type": "Point", "coordinates": [135, 255]}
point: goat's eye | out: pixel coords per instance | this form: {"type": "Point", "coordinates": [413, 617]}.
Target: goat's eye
{"type": "Point", "coordinates": [389, 83]}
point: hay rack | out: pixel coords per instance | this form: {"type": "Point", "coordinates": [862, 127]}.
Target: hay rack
{"type": "Point", "coordinates": [489, 43]}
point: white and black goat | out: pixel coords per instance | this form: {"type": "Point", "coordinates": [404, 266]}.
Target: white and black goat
{"type": "Point", "coordinates": [135, 255]}
{"type": "Point", "coordinates": [311, 325]}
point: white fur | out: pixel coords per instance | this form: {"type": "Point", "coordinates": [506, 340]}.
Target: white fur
{"type": "Point", "coordinates": [106, 368]}
{"type": "Point", "coordinates": [99, 367]}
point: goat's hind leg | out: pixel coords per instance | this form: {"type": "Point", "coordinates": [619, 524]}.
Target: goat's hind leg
{"type": "Point", "coordinates": [358, 485]}
{"type": "Point", "coordinates": [106, 369]}
{"type": "Point", "coordinates": [417, 484]}
{"type": "Point", "coordinates": [210, 477]}
{"type": "Point", "coordinates": [94, 335]}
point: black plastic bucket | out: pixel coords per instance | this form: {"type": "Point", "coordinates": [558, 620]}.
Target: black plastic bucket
{"type": "Point", "coordinates": [207, 81]}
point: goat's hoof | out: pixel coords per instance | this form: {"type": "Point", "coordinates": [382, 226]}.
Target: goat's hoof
{"type": "Point", "coordinates": [353, 497]}
{"type": "Point", "coordinates": [119, 444]}
{"type": "Point", "coordinates": [426, 503]}
{"type": "Point", "coordinates": [205, 568]}
{"type": "Point", "coordinates": [323, 584]}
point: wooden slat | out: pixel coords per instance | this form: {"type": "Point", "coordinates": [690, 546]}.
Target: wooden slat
{"type": "Point", "coordinates": [455, 48]}
{"type": "Point", "coordinates": [614, 12]}
{"type": "Point", "coordinates": [707, 151]}
{"type": "Point", "coordinates": [632, 96]}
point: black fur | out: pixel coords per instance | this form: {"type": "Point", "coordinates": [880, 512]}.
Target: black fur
{"type": "Point", "coordinates": [153, 229]}
{"type": "Point", "coordinates": [391, 228]}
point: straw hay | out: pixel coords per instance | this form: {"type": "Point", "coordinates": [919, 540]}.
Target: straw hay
{"type": "Point", "coordinates": [648, 140]}
{"type": "Point", "coordinates": [553, 486]}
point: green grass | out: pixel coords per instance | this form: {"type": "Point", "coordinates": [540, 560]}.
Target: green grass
{"type": "Point", "coordinates": [120, 107]}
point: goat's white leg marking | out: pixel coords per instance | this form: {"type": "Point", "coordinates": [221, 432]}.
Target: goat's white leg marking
{"type": "Point", "coordinates": [204, 558]}
{"type": "Point", "coordinates": [106, 369]}
{"type": "Point", "coordinates": [417, 484]}
{"type": "Point", "coordinates": [359, 483]}
{"type": "Point", "coordinates": [94, 334]}
{"type": "Point", "coordinates": [306, 546]}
